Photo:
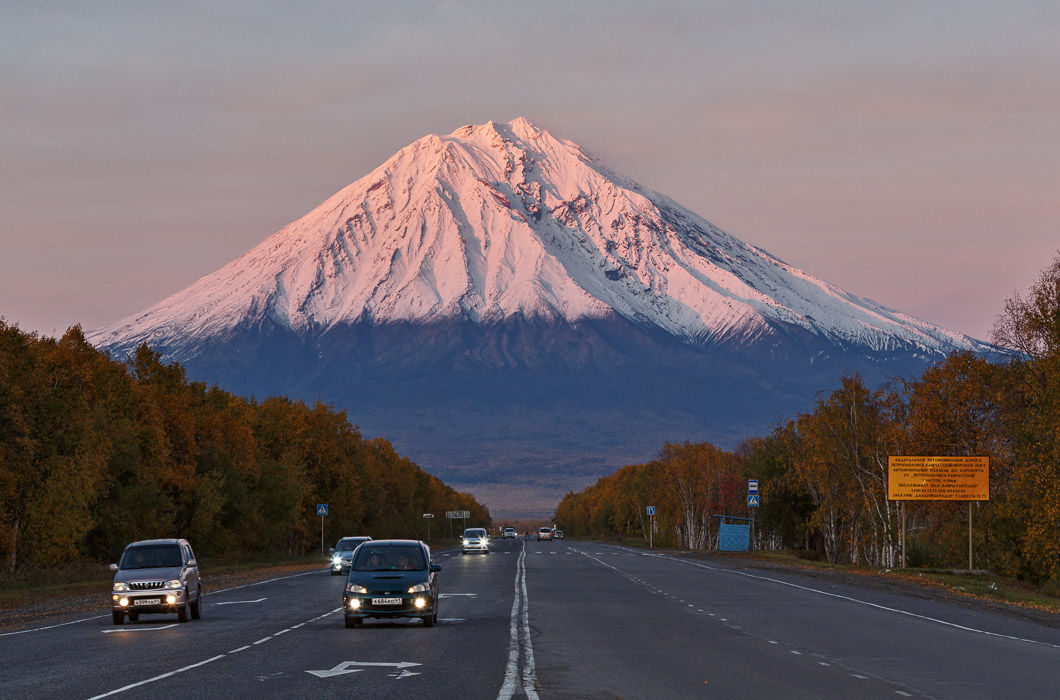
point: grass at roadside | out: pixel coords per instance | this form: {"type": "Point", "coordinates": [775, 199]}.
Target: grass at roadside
{"type": "Point", "coordinates": [25, 588]}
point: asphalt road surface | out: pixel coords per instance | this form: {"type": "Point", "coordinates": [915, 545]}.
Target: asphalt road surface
{"type": "Point", "coordinates": [561, 619]}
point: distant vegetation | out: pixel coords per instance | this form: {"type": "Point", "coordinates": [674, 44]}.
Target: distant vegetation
{"type": "Point", "coordinates": [823, 475]}
{"type": "Point", "coordinates": [96, 453]}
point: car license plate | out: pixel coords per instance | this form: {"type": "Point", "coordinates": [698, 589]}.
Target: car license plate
{"type": "Point", "coordinates": [147, 601]}
{"type": "Point", "coordinates": [386, 601]}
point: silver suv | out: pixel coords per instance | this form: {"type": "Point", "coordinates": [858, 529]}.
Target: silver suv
{"type": "Point", "coordinates": [156, 576]}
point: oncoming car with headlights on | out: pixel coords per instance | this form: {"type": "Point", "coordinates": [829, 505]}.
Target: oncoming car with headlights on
{"type": "Point", "coordinates": [156, 576]}
{"type": "Point", "coordinates": [342, 553]}
{"type": "Point", "coordinates": [475, 539]}
{"type": "Point", "coordinates": [391, 578]}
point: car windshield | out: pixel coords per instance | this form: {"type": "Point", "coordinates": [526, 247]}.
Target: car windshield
{"type": "Point", "coordinates": [151, 557]}
{"type": "Point", "coordinates": [474, 533]}
{"type": "Point", "coordinates": [347, 545]}
{"type": "Point", "coordinates": [389, 559]}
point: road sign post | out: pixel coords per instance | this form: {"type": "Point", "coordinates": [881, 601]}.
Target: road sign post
{"type": "Point", "coordinates": [428, 517]}
{"type": "Point", "coordinates": [651, 527]}
{"type": "Point", "coordinates": [936, 478]}
{"type": "Point", "coordinates": [452, 515]}
{"type": "Point", "coordinates": [752, 503]}
{"type": "Point", "coordinates": [322, 510]}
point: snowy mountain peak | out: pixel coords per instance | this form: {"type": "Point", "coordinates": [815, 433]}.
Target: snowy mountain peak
{"type": "Point", "coordinates": [503, 219]}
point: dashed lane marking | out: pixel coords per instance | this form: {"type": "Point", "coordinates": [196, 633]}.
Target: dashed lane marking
{"type": "Point", "coordinates": [207, 661]}
{"type": "Point", "coordinates": [139, 629]}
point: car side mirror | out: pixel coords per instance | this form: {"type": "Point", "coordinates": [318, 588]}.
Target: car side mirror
{"type": "Point", "coordinates": [113, 567]}
{"type": "Point", "coordinates": [435, 568]}
{"type": "Point", "coordinates": [192, 564]}
{"type": "Point", "coordinates": [331, 550]}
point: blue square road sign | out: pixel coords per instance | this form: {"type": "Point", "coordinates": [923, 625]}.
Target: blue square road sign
{"type": "Point", "coordinates": [322, 509]}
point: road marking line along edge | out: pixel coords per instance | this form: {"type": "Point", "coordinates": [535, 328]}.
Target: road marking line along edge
{"type": "Point", "coordinates": [98, 617]}
{"type": "Point", "coordinates": [898, 611]}
{"type": "Point", "coordinates": [201, 663]}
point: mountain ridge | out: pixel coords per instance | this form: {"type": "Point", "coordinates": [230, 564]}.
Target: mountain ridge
{"type": "Point", "coordinates": [496, 220]}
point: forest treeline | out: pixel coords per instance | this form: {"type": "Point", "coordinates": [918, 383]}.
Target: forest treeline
{"type": "Point", "coordinates": [96, 453]}
{"type": "Point", "coordinates": [823, 475]}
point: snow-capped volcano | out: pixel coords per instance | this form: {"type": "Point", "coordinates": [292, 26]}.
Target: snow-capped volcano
{"type": "Point", "coordinates": [509, 311]}
{"type": "Point", "coordinates": [501, 221]}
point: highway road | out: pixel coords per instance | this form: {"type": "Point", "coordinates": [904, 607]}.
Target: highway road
{"type": "Point", "coordinates": [563, 619]}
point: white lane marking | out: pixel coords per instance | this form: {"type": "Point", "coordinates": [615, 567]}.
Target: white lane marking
{"type": "Point", "coordinates": [240, 602]}
{"type": "Point", "coordinates": [201, 663]}
{"type": "Point", "coordinates": [348, 667]}
{"type": "Point", "coordinates": [902, 692]}
{"type": "Point", "coordinates": [263, 640]}
{"type": "Point", "coordinates": [859, 676]}
{"type": "Point", "coordinates": [823, 663]}
{"type": "Point", "coordinates": [520, 637]}
{"type": "Point", "coordinates": [455, 595]}
{"type": "Point", "coordinates": [157, 678]}
{"type": "Point", "coordinates": [268, 580]}
{"type": "Point", "coordinates": [898, 611]}
{"type": "Point", "coordinates": [51, 627]}
{"type": "Point", "coordinates": [796, 653]}
{"type": "Point", "coordinates": [99, 617]}
{"type": "Point", "coordinates": [511, 673]}
{"type": "Point", "coordinates": [529, 668]}
{"type": "Point", "coordinates": [139, 629]}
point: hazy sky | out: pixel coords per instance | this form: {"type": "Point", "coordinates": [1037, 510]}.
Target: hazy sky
{"type": "Point", "coordinates": [906, 151]}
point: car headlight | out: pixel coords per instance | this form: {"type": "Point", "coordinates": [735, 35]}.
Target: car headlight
{"type": "Point", "coordinates": [420, 588]}
{"type": "Point", "coordinates": [466, 542]}
{"type": "Point", "coordinates": [119, 586]}
{"type": "Point", "coordinates": [174, 583]}
{"type": "Point", "coordinates": [354, 588]}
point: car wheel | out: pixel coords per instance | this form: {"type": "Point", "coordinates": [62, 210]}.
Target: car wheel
{"type": "Point", "coordinates": [334, 573]}
{"type": "Point", "coordinates": [353, 622]}
{"type": "Point", "coordinates": [182, 613]}
{"type": "Point", "coordinates": [195, 607]}
{"type": "Point", "coordinates": [119, 617]}
{"type": "Point", "coordinates": [134, 617]}
{"type": "Point", "coordinates": [429, 621]}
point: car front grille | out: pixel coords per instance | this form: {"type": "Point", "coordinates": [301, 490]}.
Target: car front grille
{"type": "Point", "coordinates": [145, 585]}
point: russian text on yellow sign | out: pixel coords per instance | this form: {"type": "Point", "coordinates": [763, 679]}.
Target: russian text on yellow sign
{"type": "Point", "coordinates": [938, 479]}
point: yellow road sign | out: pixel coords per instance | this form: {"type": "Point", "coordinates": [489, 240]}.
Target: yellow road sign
{"type": "Point", "coordinates": [938, 479]}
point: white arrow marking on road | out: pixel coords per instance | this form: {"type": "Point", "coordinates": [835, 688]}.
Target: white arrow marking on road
{"type": "Point", "coordinates": [405, 673]}
{"type": "Point", "coordinates": [345, 667]}
{"type": "Point", "coordinates": [237, 602]}
{"type": "Point", "coordinates": [140, 629]}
